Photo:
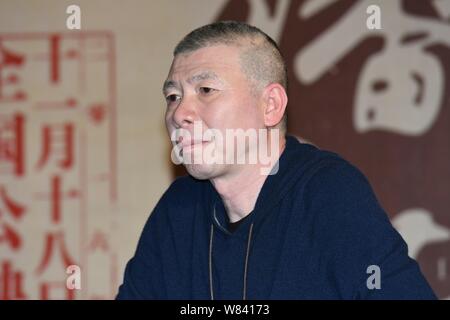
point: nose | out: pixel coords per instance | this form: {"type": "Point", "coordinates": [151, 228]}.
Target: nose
{"type": "Point", "coordinates": [185, 113]}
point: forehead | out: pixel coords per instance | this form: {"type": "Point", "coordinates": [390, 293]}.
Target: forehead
{"type": "Point", "coordinates": [220, 60]}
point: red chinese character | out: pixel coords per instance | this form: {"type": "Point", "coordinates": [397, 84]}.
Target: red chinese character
{"type": "Point", "coordinates": [46, 287]}
{"type": "Point", "coordinates": [56, 196]}
{"type": "Point", "coordinates": [57, 140]}
{"type": "Point", "coordinates": [99, 241]}
{"type": "Point", "coordinates": [16, 210]}
{"type": "Point", "coordinates": [9, 59]}
{"type": "Point", "coordinates": [12, 143]}
{"type": "Point", "coordinates": [53, 240]}
{"type": "Point", "coordinates": [11, 282]}
{"type": "Point", "coordinates": [56, 199]}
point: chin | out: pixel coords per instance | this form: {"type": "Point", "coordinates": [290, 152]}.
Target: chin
{"type": "Point", "coordinates": [200, 171]}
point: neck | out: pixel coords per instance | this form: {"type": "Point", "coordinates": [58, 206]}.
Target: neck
{"type": "Point", "coordinates": [239, 191]}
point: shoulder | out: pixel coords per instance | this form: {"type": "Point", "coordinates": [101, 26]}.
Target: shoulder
{"type": "Point", "coordinates": [345, 210]}
{"type": "Point", "coordinates": [342, 205]}
{"type": "Point", "coordinates": [336, 182]}
{"type": "Point", "coordinates": [183, 191]}
{"type": "Point", "coordinates": [179, 202]}
{"type": "Point", "coordinates": [175, 209]}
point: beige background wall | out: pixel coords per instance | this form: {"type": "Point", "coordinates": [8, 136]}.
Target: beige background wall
{"type": "Point", "coordinates": [145, 33]}
{"type": "Point", "coordinates": [380, 98]}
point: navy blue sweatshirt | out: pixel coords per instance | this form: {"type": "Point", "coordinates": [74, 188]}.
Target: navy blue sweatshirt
{"type": "Point", "coordinates": [316, 229]}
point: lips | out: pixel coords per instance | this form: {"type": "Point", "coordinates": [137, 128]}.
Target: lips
{"type": "Point", "coordinates": [189, 145]}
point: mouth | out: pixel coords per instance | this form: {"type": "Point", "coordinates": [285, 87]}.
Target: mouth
{"type": "Point", "coordinates": [190, 146]}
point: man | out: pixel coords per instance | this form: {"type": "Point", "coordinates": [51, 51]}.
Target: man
{"type": "Point", "coordinates": [310, 229]}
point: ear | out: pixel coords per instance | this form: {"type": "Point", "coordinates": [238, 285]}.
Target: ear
{"type": "Point", "coordinates": [275, 101]}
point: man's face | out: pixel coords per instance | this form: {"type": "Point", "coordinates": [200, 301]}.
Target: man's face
{"type": "Point", "coordinates": [207, 86]}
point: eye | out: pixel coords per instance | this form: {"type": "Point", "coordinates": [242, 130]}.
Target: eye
{"type": "Point", "coordinates": [206, 90]}
{"type": "Point", "coordinates": [172, 98]}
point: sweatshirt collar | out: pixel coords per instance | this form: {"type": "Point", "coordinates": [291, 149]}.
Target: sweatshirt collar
{"type": "Point", "coordinates": [269, 194]}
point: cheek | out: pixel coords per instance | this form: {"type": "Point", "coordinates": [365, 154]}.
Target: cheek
{"type": "Point", "coordinates": [231, 112]}
{"type": "Point", "coordinates": [168, 121]}
{"type": "Point", "coordinates": [247, 113]}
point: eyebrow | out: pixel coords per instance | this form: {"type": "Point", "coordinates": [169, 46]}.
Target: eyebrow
{"type": "Point", "coordinates": [169, 84]}
{"type": "Point", "coordinates": [206, 75]}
